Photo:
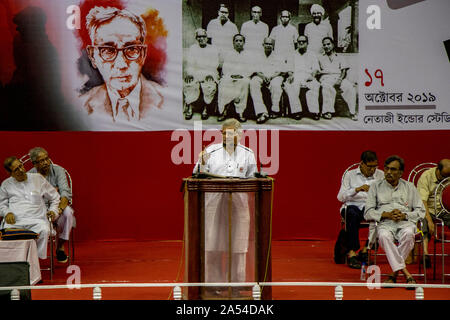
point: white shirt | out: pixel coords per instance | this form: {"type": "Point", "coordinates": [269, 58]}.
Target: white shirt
{"type": "Point", "coordinates": [352, 180]}
{"type": "Point", "coordinates": [303, 65]}
{"type": "Point", "coordinates": [26, 199]}
{"type": "Point", "coordinates": [241, 163]}
{"type": "Point", "coordinates": [285, 39]}
{"type": "Point", "coordinates": [254, 34]}
{"type": "Point", "coordinates": [202, 62]}
{"type": "Point", "coordinates": [269, 65]}
{"type": "Point", "coordinates": [316, 33]}
{"type": "Point", "coordinates": [221, 35]}
{"type": "Point", "coordinates": [235, 63]}
{"type": "Point", "coordinates": [332, 64]}
{"type": "Point", "coordinates": [133, 103]}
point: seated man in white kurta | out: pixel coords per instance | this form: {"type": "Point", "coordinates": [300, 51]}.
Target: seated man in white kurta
{"type": "Point", "coordinates": [201, 72]}
{"type": "Point", "coordinates": [304, 66]}
{"type": "Point", "coordinates": [333, 73]}
{"type": "Point", "coordinates": [269, 72]}
{"type": "Point", "coordinates": [233, 86]}
{"type": "Point", "coordinates": [22, 202]}
{"type": "Point", "coordinates": [232, 159]}
{"type": "Point", "coordinates": [397, 206]}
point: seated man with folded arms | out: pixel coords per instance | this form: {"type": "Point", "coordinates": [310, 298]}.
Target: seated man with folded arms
{"type": "Point", "coordinates": [353, 195]}
{"type": "Point", "coordinates": [397, 206]}
{"type": "Point", "coordinates": [56, 176]}
{"type": "Point", "coordinates": [426, 185]}
{"type": "Point", "coordinates": [22, 202]}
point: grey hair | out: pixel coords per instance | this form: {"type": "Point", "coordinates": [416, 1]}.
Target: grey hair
{"type": "Point", "coordinates": [100, 15]}
{"type": "Point", "coordinates": [34, 153]}
{"type": "Point", "coordinates": [233, 123]}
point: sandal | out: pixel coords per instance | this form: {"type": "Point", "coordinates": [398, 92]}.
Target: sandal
{"type": "Point", "coordinates": [410, 280]}
{"type": "Point", "coordinates": [354, 263]}
{"type": "Point", "coordinates": [389, 280]}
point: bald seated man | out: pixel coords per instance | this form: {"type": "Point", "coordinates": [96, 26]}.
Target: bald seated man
{"type": "Point", "coordinates": [426, 185]}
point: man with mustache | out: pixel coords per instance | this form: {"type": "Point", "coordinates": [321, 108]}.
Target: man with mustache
{"type": "Point", "coordinates": [22, 202]}
{"type": "Point", "coordinates": [221, 30]}
{"type": "Point", "coordinates": [56, 176]}
{"type": "Point", "coordinates": [317, 29]}
{"type": "Point", "coordinates": [397, 206]}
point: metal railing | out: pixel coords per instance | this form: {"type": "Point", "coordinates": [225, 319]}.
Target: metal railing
{"type": "Point", "coordinates": [256, 287]}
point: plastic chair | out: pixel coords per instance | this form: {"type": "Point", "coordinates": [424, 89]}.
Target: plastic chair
{"type": "Point", "coordinates": [440, 208]}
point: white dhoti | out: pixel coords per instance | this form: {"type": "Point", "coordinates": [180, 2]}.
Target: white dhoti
{"type": "Point", "coordinates": [403, 232]}
{"type": "Point", "coordinates": [256, 84]}
{"type": "Point", "coordinates": [312, 95]}
{"type": "Point", "coordinates": [329, 93]}
{"type": "Point", "coordinates": [233, 90]}
{"type": "Point", "coordinates": [41, 227]}
{"type": "Point", "coordinates": [64, 223]}
{"type": "Point", "coordinates": [191, 91]}
{"type": "Point", "coordinates": [218, 232]}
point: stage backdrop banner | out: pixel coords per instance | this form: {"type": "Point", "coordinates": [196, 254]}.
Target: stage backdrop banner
{"type": "Point", "coordinates": [146, 65]}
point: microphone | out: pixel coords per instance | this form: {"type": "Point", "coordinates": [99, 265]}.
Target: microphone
{"type": "Point", "coordinates": [261, 173]}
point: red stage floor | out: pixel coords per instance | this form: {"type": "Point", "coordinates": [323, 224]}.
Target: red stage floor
{"type": "Point", "coordinates": [162, 262]}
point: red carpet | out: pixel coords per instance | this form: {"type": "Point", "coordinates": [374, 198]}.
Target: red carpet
{"type": "Point", "coordinates": [159, 262]}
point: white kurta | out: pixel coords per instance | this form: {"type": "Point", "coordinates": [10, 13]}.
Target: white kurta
{"type": "Point", "coordinates": [316, 33]}
{"type": "Point", "coordinates": [254, 34]}
{"type": "Point", "coordinates": [221, 35]}
{"type": "Point", "coordinates": [303, 66]}
{"type": "Point", "coordinates": [200, 63]}
{"type": "Point", "coordinates": [269, 66]}
{"type": "Point", "coordinates": [26, 200]}
{"type": "Point", "coordinates": [382, 197]}
{"type": "Point", "coordinates": [235, 80]}
{"type": "Point", "coordinates": [285, 39]}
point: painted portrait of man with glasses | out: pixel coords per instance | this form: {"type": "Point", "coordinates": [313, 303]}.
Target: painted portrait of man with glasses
{"type": "Point", "coordinates": [118, 50]}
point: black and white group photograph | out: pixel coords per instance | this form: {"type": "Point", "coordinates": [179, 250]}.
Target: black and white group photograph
{"type": "Point", "coordinates": [282, 63]}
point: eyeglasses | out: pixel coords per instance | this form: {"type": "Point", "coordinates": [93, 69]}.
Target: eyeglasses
{"type": "Point", "coordinates": [42, 161]}
{"type": "Point", "coordinates": [373, 166]}
{"type": "Point", "coordinates": [302, 41]}
{"type": "Point", "coordinates": [109, 53]}
{"type": "Point", "coordinates": [18, 168]}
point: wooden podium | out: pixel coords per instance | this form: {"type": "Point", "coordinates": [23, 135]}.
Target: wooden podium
{"type": "Point", "coordinates": [194, 197]}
